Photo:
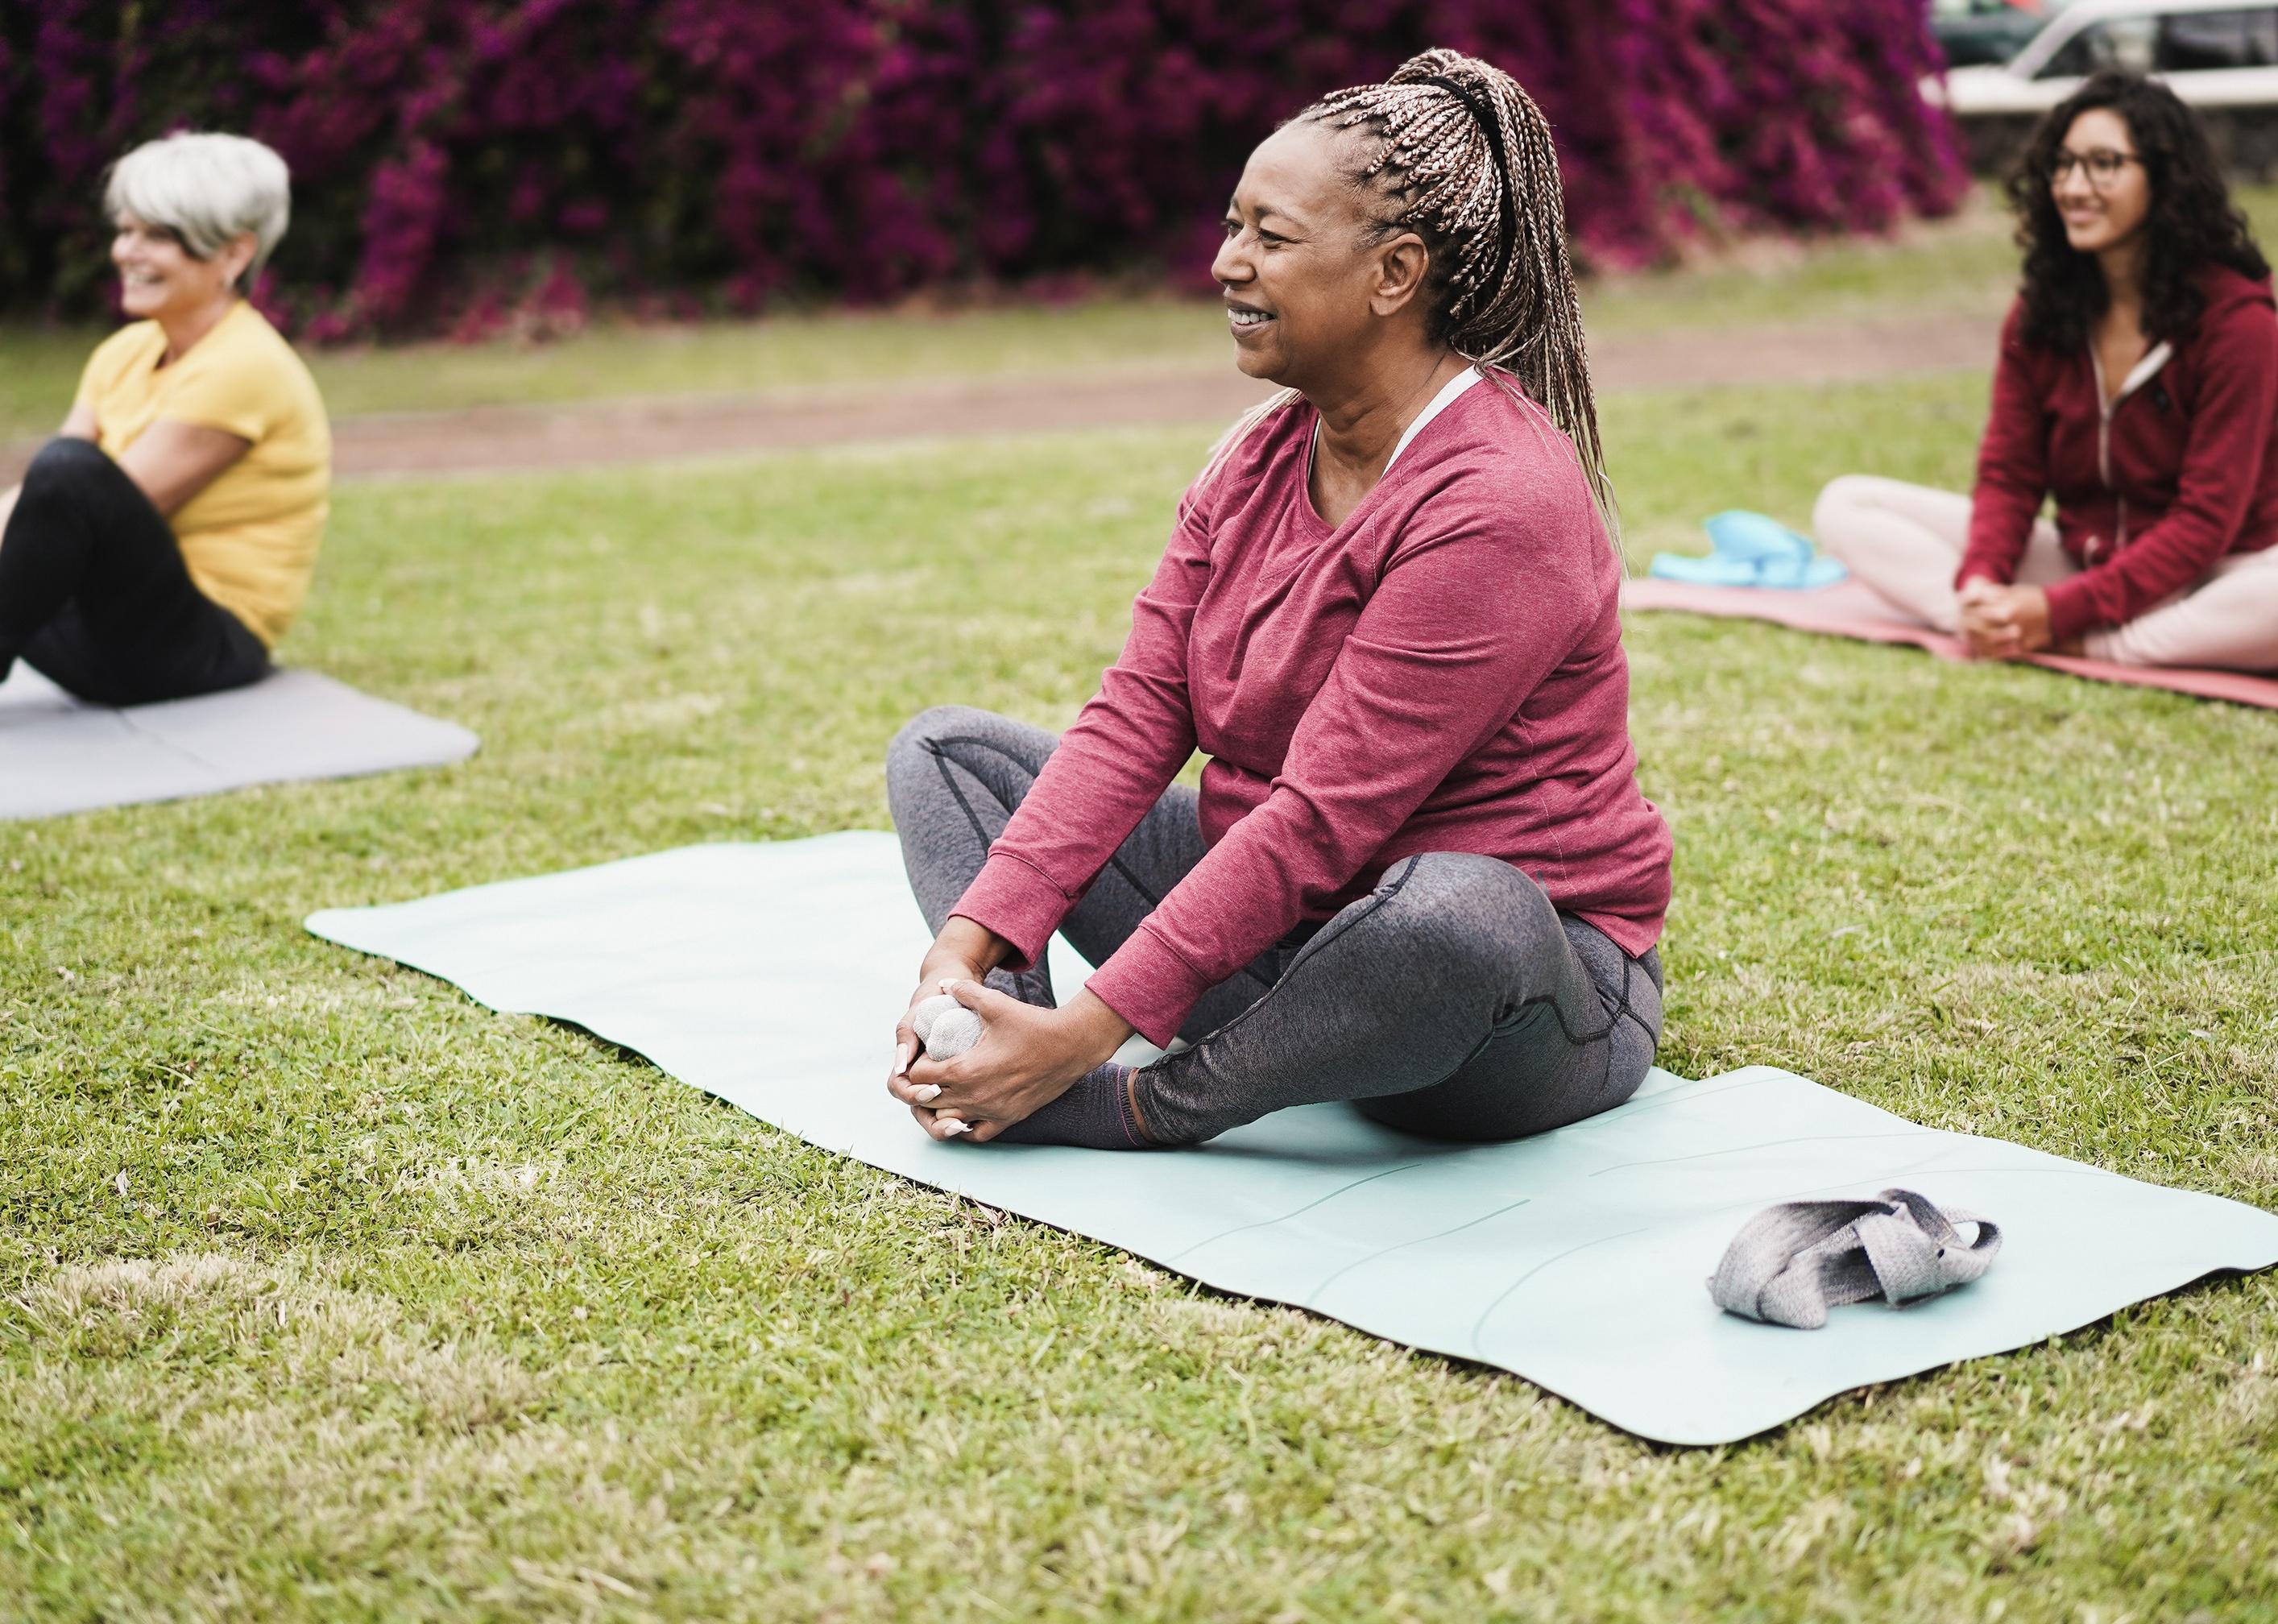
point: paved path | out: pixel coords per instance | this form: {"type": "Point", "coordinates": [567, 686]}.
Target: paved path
{"type": "Point", "coordinates": [655, 427]}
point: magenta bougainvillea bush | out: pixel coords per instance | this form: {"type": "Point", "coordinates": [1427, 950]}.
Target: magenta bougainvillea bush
{"type": "Point", "coordinates": [457, 160]}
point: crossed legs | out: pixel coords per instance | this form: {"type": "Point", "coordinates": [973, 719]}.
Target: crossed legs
{"type": "Point", "coordinates": [1906, 541]}
{"type": "Point", "coordinates": [1453, 1001]}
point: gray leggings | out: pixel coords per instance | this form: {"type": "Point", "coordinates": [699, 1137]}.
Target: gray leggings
{"type": "Point", "coordinates": [1452, 1001]}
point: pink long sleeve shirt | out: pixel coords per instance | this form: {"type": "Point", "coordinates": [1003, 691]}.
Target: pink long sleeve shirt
{"type": "Point", "coordinates": [1441, 672]}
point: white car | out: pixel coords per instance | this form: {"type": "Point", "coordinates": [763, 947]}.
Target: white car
{"type": "Point", "coordinates": [2219, 56]}
{"type": "Point", "coordinates": [2211, 53]}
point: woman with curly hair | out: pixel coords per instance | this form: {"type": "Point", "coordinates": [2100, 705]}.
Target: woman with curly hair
{"type": "Point", "coordinates": [1419, 875]}
{"type": "Point", "coordinates": [2138, 386]}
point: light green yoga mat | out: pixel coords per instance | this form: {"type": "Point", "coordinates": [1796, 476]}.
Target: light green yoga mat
{"type": "Point", "coordinates": [772, 975]}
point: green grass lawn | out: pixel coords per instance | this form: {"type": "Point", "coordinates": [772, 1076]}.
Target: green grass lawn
{"type": "Point", "coordinates": [614, 360]}
{"type": "Point", "coordinates": [328, 1294]}
{"type": "Point", "coordinates": [1965, 264]}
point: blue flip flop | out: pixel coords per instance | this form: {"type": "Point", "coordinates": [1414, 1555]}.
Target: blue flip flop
{"type": "Point", "coordinates": [1738, 534]}
{"type": "Point", "coordinates": [1784, 558]}
{"type": "Point", "coordinates": [1750, 549]}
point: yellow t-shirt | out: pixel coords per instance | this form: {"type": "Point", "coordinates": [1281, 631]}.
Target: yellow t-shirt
{"type": "Point", "coordinates": [249, 538]}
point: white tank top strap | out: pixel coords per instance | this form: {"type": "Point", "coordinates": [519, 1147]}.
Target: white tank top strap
{"type": "Point", "coordinates": [1449, 392]}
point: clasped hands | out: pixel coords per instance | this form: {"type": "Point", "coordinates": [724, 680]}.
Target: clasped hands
{"type": "Point", "coordinates": [2004, 623]}
{"type": "Point", "coordinates": [1026, 1059]}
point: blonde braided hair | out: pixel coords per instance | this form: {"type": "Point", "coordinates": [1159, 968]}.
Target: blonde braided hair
{"type": "Point", "coordinates": [1458, 154]}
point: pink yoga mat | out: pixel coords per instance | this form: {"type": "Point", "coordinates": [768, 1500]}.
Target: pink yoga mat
{"type": "Point", "coordinates": [1849, 610]}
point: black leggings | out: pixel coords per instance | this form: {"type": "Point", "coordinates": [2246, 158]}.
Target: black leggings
{"type": "Point", "coordinates": [94, 592]}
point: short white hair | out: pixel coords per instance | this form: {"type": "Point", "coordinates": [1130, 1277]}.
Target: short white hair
{"type": "Point", "coordinates": [208, 189]}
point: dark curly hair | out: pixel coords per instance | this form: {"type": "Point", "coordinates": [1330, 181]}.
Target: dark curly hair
{"type": "Point", "coordinates": [2192, 222]}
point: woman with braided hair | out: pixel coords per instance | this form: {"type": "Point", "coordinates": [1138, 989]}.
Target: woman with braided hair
{"type": "Point", "coordinates": [1418, 874]}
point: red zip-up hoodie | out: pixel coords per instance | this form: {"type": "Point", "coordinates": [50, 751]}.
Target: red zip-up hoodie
{"type": "Point", "coordinates": [2177, 473]}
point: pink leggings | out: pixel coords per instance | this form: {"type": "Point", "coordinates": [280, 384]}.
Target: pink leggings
{"type": "Point", "coordinates": [1906, 541]}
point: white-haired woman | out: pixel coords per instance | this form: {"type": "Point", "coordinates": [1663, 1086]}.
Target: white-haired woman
{"type": "Point", "coordinates": [161, 544]}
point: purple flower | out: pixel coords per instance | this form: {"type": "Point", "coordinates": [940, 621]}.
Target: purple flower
{"type": "Point", "coordinates": [472, 165]}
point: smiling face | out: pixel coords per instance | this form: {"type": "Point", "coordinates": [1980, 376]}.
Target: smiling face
{"type": "Point", "coordinates": [1306, 289]}
{"type": "Point", "coordinates": [2101, 211]}
{"type": "Point", "coordinates": [159, 278]}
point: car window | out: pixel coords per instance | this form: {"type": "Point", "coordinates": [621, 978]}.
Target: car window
{"type": "Point", "coordinates": [2124, 43]}
{"type": "Point", "coordinates": [2194, 41]}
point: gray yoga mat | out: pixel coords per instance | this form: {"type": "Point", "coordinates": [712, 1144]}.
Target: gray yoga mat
{"type": "Point", "coordinates": [58, 755]}
{"type": "Point", "coordinates": [772, 975]}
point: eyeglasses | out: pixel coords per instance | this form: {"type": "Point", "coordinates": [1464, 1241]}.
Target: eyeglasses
{"type": "Point", "coordinates": [2102, 165]}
